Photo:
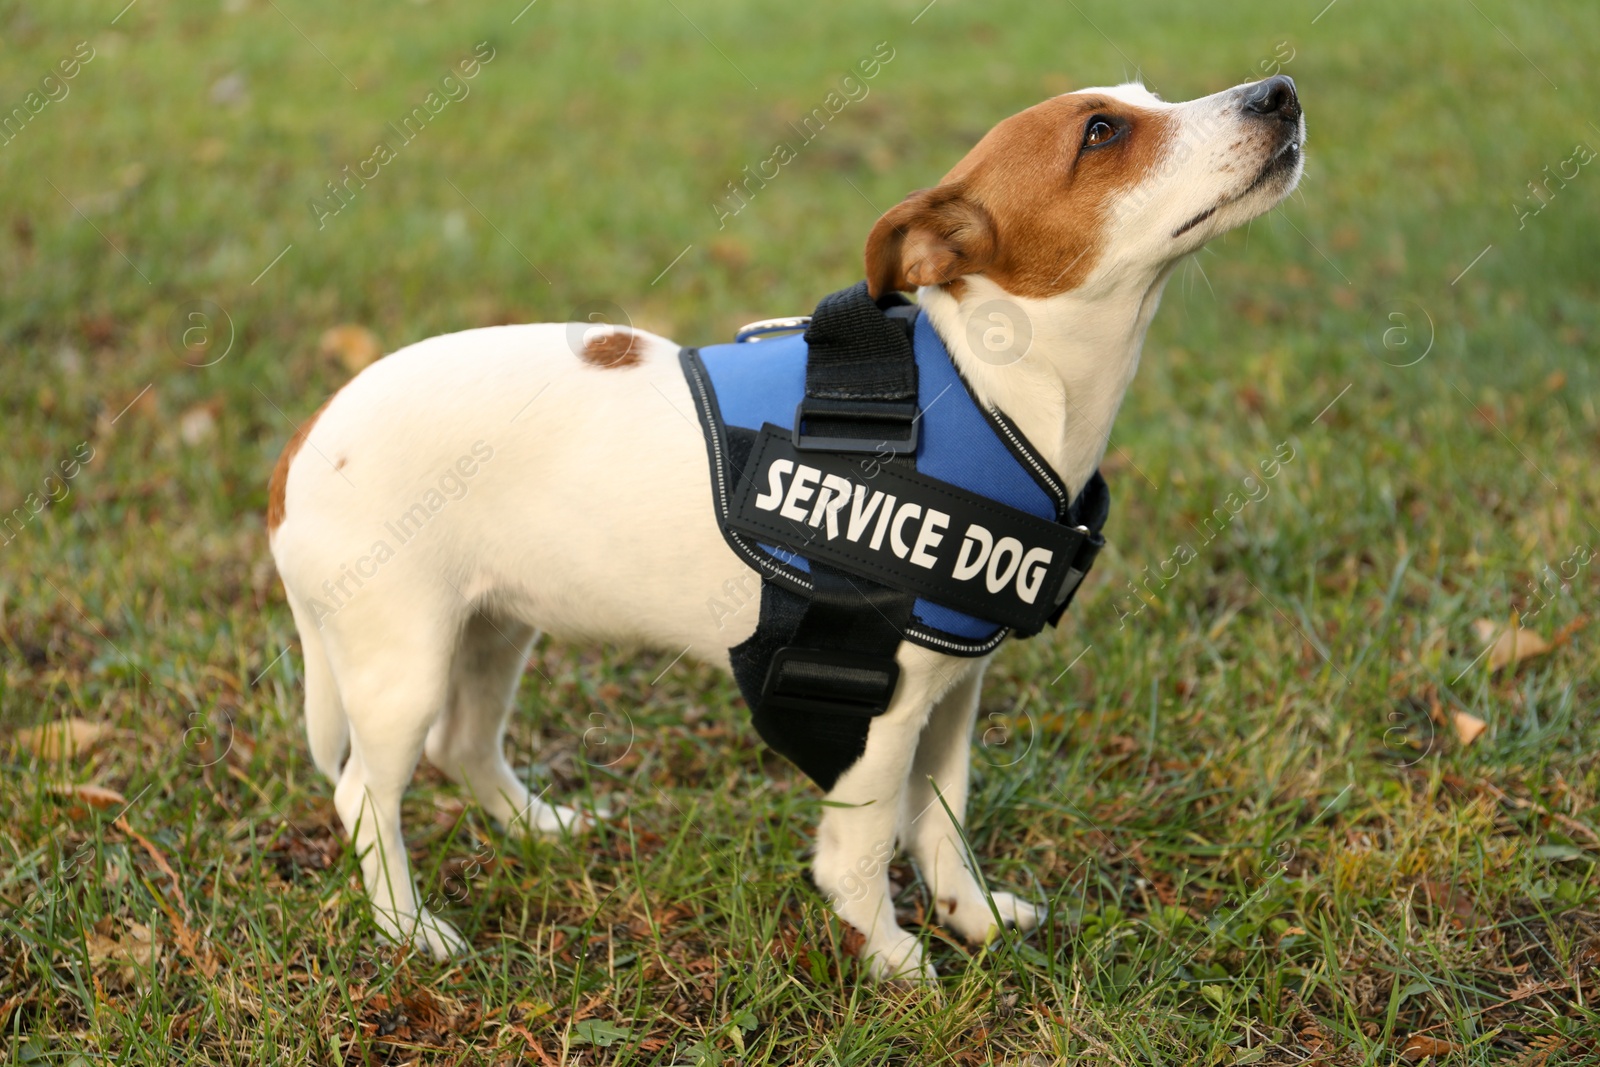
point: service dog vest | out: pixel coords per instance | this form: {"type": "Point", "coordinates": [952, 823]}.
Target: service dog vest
{"type": "Point", "coordinates": [880, 502]}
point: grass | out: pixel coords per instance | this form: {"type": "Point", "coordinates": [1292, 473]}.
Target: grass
{"type": "Point", "coordinates": [1240, 787]}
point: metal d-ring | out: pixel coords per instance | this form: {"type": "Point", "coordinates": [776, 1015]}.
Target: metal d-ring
{"type": "Point", "coordinates": [761, 330]}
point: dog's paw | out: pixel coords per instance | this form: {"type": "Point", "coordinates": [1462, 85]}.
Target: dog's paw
{"type": "Point", "coordinates": [899, 959]}
{"type": "Point", "coordinates": [1017, 913]}
{"type": "Point", "coordinates": [425, 932]}
{"type": "Point", "coordinates": [439, 938]}
{"type": "Point", "coordinates": [553, 820]}
{"type": "Point", "coordinates": [975, 923]}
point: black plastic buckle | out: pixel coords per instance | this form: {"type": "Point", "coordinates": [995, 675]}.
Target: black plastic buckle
{"type": "Point", "coordinates": [900, 419]}
{"type": "Point", "coordinates": [814, 679]}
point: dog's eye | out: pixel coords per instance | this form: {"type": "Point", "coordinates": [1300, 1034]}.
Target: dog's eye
{"type": "Point", "coordinates": [1098, 132]}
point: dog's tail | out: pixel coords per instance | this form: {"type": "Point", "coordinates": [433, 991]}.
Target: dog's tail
{"type": "Point", "coordinates": [326, 727]}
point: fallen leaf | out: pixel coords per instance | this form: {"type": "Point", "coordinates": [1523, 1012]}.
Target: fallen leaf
{"type": "Point", "coordinates": [62, 740]}
{"type": "Point", "coordinates": [1540, 1050]}
{"type": "Point", "coordinates": [1418, 1047]}
{"type": "Point", "coordinates": [1452, 900]}
{"type": "Point", "coordinates": [422, 1017]}
{"type": "Point", "coordinates": [135, 948]}
{"type": "Point", "coordinates": [598, 1032]}
{"type": "Point", "coordinates": [1468, 727]}
{"type": "Point", "coordinates": [95, 796]}
{"type": "Point", "coordinates": [353, 346]}
{"type": "Point", "coordinates": [1512, 645]}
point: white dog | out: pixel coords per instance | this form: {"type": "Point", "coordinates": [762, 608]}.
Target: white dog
{"type": "Point", "coordinates": [470, 490]}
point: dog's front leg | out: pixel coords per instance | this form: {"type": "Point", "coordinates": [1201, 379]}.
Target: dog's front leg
{"type": "Point", "coordinates": [936, 806]}
{"type": "Point", "coordinates": [856, 838]}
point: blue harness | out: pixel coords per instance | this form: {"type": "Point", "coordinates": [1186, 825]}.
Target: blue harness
{"type": "Point", "coordinates": [880, 502]}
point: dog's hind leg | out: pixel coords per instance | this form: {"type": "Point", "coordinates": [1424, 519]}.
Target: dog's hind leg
{"type": "Point", "coordinates": [934, 837]}
{"type": "Point", "coordinates": [468, 740]}
{"type": "Point", "coordinates": [326, 729]}
{"type": "Point", "coordinates": [394, 674]}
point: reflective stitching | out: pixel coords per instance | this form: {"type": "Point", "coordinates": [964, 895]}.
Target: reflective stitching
{"type": "Point", "coordinates": [760, 560]}
{"type": "Point", "coordinates": [927, 637]}
{"type": "Point", "coordinates": [1047, 476]}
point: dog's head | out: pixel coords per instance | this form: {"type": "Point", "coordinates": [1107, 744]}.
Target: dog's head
{"type": "Point", "coordinates": [1095, 185]}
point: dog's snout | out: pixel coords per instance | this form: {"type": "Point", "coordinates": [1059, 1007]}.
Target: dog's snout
{"type": "Point", "coordinates": [1275, 96]}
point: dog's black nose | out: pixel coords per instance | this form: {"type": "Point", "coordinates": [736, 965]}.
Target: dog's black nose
{"type": "Point", "coordinates": [1275, 96]}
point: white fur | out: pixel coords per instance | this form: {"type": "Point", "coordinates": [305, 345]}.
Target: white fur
{"type": "Point", "coordinates": [588, 514]}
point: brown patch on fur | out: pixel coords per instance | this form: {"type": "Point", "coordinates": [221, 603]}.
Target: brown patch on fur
{"type": "Point", "coordinates": [950, 905]}
{"type": "Point", "coordinates": [279, 483]}
{"type": "Point", "coordinates": [619, 348]}
{"type": "Point", "coordinates": [1025, 207]}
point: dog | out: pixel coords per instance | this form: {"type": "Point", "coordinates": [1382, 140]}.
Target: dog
{"type": "Point", "coordinates": [470, 491]}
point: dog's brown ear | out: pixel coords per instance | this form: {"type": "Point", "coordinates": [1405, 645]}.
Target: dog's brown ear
{"type": "Point", "coordinates": [931, 237]}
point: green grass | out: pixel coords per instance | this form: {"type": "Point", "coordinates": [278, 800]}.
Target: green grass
{"type": "Point", "coordinates": [1259, 844]}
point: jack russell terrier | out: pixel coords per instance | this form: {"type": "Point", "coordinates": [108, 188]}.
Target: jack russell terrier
{"type": "Point", "coordinates": [469, 491]}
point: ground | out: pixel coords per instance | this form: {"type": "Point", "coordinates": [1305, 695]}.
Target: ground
{"type": "Point", "coordinates": [1247, 774]}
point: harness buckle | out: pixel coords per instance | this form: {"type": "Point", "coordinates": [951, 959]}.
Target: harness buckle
{"type": "Point", "coordinates": [1082, 560]}
{"type": "Point", "coordinates": [899, 418]}
{"type": "Point", "coordinates": [817, 679]}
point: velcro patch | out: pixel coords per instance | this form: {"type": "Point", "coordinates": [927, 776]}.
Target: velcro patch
{"type": "Point", "coordinates": [905, 530]}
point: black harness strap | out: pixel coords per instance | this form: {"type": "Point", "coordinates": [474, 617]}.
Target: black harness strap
{"type": "Point", "coordinates": [830, 668]}
{"type": "Point", "coordinates": [1089, 511]}
{"type": "Point", "coordinates": [856, 352]}
{"type": "Point", "coordinates": [861, 376]}
{"type": "Point", "coordinates": [835, 670]}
